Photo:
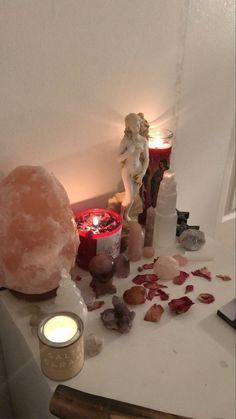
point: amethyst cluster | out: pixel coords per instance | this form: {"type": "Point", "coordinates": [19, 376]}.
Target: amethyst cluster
{"type": "Point", "coordinates": [118, 318]}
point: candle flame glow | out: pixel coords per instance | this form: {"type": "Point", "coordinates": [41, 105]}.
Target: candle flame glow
{"type": "Point", "coordinates": [60, 329]}
{"type": "Point", "coordinates": [95, 221]}
{"type": "Point", "coordinates": [158, 142]}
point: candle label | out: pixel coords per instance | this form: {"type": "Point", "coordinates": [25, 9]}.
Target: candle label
{"type": "Point", "coordinates": [109, 245]}
{"type": "Point", "coordinates": [62, 363]}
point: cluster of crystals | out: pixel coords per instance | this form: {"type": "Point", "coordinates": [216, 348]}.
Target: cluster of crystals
{"type": "Point", "coordinates": [107, 222]}
{"type": "Point", "coordinates": [118, 318]}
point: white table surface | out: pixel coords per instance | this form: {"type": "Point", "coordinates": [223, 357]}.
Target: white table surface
{"type": "Point", "coordinates": [184, 364]}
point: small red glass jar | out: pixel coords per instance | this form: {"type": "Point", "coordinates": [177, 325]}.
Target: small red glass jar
{"type": "Point", "coordinates": [99, 232]}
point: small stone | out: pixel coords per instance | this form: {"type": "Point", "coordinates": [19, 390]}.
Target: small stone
{"type": "Point", "coordinates": [192, 239]}
{"type": "Point", "coordinates": [182, 260]}
{"type": "Point", "coordinates": [122, 266]}
{"type": "Point", "coordinates": [93, 345]}
{"type": "Point", "coordinates": [102, 267]}
{"type": "Point", "coordinates": [166, 267]}
{"type": "Point", "coordinates": [148, 252]}
{"type": "Point", "coordinates": [135, 295]}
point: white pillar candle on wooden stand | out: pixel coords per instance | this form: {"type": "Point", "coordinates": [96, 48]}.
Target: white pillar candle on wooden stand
{"type": "Point", "coordinates": [166, 216]}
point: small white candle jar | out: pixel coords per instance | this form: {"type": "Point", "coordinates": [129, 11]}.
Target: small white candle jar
{"type": "Point", "coordinates": [61, 345]}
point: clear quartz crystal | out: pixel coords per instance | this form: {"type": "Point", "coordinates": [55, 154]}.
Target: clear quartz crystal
{"type": "Point", "coordinates": [69, 297]}
{"type": "Point", "coordinates": [166, 216]}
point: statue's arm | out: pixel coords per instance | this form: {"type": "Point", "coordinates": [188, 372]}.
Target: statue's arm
{"type": "Point", "coordinates": [145, 158]}
{"type": "Point", "coordinates": [124, 151]}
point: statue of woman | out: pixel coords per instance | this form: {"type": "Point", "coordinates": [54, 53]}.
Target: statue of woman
{"type": "Point", "coordinates": [134, 158]}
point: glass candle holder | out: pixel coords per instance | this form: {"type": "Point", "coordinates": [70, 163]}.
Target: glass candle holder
{"type": "Point", "coordinates": [160, 146]}
{"type": "Point", "coordinates": [99, 232]}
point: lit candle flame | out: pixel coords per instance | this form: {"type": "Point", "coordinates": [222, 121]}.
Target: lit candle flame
{"type": "Point", "coordinates": [158, 142]}
{"type": "Point", "coordinates": [95, 221]}
{"type": "Point", "coordinates": [60, 329]}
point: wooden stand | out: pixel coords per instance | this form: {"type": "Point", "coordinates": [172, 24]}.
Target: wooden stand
{"type": "Point", "coordinates": [68, 403]}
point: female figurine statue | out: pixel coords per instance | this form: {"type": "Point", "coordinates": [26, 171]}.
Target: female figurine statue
{"type": "Point", "coordinates": [134, 158]}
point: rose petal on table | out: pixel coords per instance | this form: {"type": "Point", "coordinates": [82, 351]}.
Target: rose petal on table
{"type": "Point", "coordinates": [151, 294]}
{"type": "Point", "coordinates": [94, 306]}
{"type": "Point", "coordinates": [224, 277]}
{"type": "Point", "coordinates": [154, 313]}
{"type": "Point", "coordinates": [180, 305]}
{"type": "Point", "coordinates": [151, 285]}
{"type": "Point", "coordinates": [140, 279]}
{"type": "Point", "coordinates": [146, 266]}
{"type": "Point", "coordinates": [203, 272]}
{"type": "Point", "coordinates": [206, 298]}
{"type": "Point", "coordinates": [135, 295]}
{"type": "Point", "coordinates": [181, 278]}
{"type": "Point", "coordinates": [163, 296]}
{"type": "Point", "coordinates": [182, 260]}
{"type": "Point", "coordinates": [189, 288]}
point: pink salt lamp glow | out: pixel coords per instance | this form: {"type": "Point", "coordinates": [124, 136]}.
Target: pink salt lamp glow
{"type": "Point", "coordinates": [37, 231]}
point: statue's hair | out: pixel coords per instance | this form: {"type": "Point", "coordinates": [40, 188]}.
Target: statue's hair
{"type": "Point", "coordinates": [130, 118]}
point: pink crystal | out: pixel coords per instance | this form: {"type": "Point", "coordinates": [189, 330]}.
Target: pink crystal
{"type": "Point", "coordinates": [135, 242]}
{"type": "Point", "coordinates": [37, 230]}
{"type": "Point", "coordinates": [166, 267]}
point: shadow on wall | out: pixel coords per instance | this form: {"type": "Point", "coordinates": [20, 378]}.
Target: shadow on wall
{"type": "Point", "coordinates": [89, 173]}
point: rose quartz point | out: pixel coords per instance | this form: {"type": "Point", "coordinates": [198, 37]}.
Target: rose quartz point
{"type": "Point", "coordinates": [37, 230]}
{"type": "Point", "coordinates": [166, 268]}
{"type": "Point", "coordinates": [135, 242]}
{"type": "Point", "coordinates": [148, 252]}
{"type": "Point", "coordinates": [182, 260]}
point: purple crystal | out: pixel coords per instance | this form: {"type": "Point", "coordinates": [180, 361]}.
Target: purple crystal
{"type": "Point", "coordinates": [122, 266]}
{"type": "Point", "coordinates": [118, 318]}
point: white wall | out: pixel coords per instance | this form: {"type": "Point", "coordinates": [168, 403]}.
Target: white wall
{"type": "Point", "coordinates": [72, 69]}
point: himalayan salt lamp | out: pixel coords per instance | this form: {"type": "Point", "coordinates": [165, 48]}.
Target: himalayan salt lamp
{"type": "Point", "coordinates": [37, 230]}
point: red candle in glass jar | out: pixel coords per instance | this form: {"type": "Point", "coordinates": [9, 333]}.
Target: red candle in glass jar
{"type": "Point", "coordinates": [99, 232]}
{"type": "Point", "coordinates": [160, 146]}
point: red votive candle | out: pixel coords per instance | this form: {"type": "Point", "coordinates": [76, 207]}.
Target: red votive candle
{"type": "Point", "coordinates": [160, 146]}
{"type": "Point", "coordinates": [99, 232]}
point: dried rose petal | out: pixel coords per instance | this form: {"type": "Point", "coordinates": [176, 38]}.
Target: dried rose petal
{"type": "Point", "coordinates": [154, 313]}
{"type": "Point", "coordinates": [140, 279]}
{"type": "Point", "coordinates": [135, 295]}
{"type": "Point", "coordinates": [180, 305]}
{"type": "Point", "coordinates": [94, 306]}
{"type": "Point", "coordinates": [181, 278]}
{"type": "Point", "coordinates": [151, 285]}
{"type": "Point", "coordinates": [189, 288]}
{"type": "Point", "coordinates": [182, 260]}
{"type": "Point", "coordinates": [203, 272]}
{"type": "Point", "coordinates": [148, 265]}
{"type": "Point", "coordinates": [224, 277]}
{"type": "Point", "coordinates": [163, 296]}
{"type": "Point", "coordinates": [151, 294]}
{"type": "Point", "coordinates": [206, 298]}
